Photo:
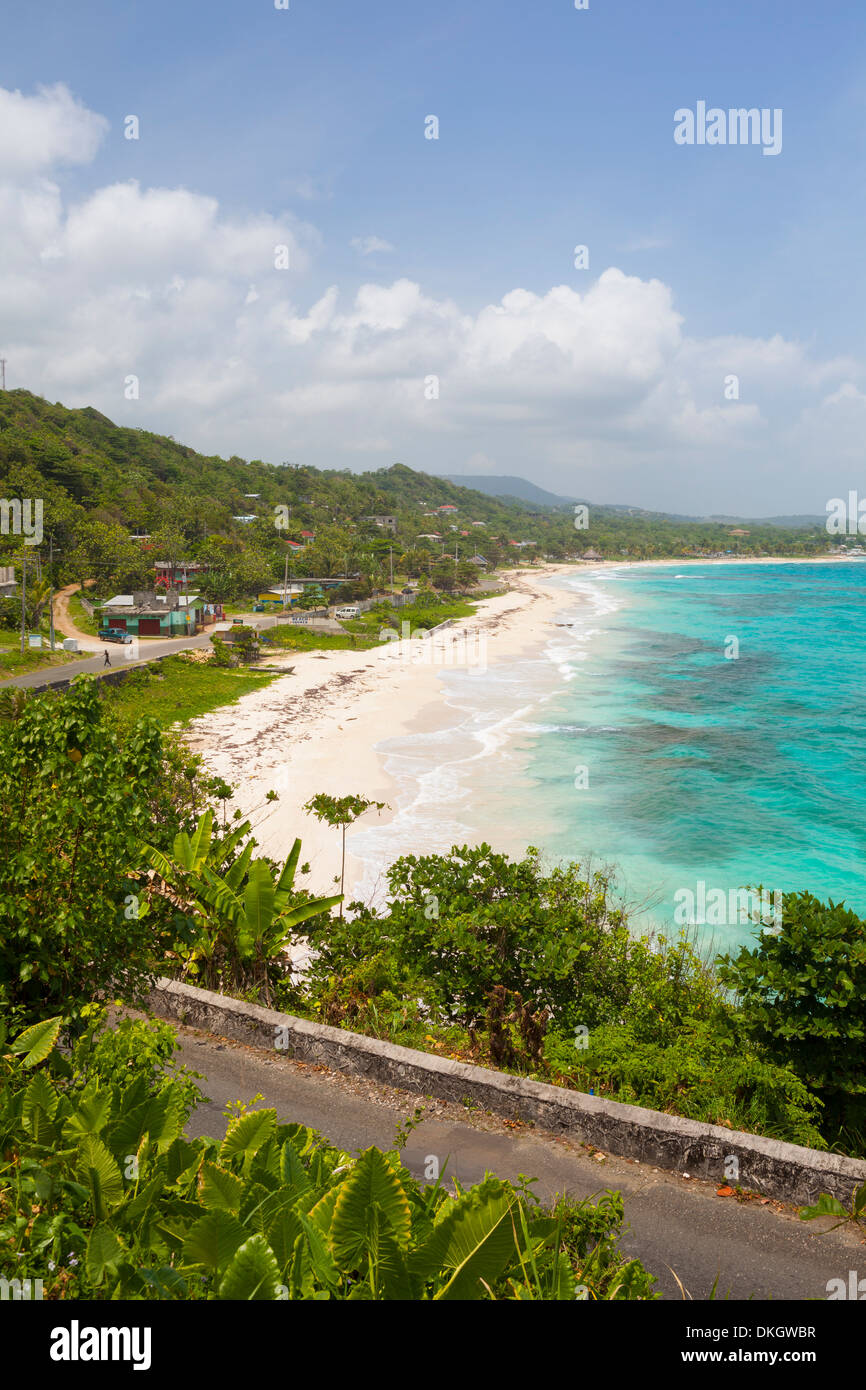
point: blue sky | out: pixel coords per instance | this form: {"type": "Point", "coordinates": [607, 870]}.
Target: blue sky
{"type": "Point", "coordinates": [556, 128]}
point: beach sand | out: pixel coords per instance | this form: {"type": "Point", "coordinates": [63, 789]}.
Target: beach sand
{"type": "Point", "coordinates": [316, 730]}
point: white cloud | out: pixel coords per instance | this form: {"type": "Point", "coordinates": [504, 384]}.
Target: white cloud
{"type": "Point", "coordinates": [598, 393]}
{"type": "Point", "coordinates": [45, 130]}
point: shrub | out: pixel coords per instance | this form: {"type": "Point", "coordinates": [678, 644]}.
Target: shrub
{"type": "Point", "coordinates": [104, 1198]}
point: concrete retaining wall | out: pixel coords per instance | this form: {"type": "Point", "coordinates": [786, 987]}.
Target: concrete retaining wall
{"type": "Point", "coordinates": [785, 1171]}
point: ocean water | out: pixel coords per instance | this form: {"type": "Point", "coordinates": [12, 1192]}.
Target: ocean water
{"type": "Point", "coordinates": [691, 725]}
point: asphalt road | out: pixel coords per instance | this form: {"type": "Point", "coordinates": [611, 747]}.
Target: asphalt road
{"type": "Point", "coordinates": [760, 1252]}
{"type": "Point", "coordinates": [148, 649]}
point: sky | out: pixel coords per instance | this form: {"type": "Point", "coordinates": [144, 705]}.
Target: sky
{"type": "Point", "coordinates": [282, 265]}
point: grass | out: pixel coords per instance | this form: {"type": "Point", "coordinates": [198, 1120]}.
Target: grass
{"type": "Point", "coordinates": [15, 663]}
{"type": "Point", "coordinates": [81, 618]}
{"type": "Point", "coordinates": [299, 639]}
{"type": "Point", "coordinates": [177, 689]}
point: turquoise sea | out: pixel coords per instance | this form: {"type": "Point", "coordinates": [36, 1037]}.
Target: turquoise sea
{"type": "Point", "coordinates": [644, 736]}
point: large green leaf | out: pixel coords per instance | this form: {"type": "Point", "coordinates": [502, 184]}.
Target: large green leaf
{"type": "Point", "coordinates": [104, 1250]}
{"type": "Point", "coordinates": [90, 1114]}
{"type": "Point", "coordinates": [159, 1116]}
{"type": "Point", "coordinates": [253, 1272]}
{"type": "Point", "coordinates": [371, 1182]}
{"type": "Point", "coordinates": [283, 1232]}
{"type": "Point", "coordinates": [320, 1256]}
{"type": "Point", "coordinates": [258, 907]}
{"type": "Point", "coordinates": [292, 1171]}
{"type": "Point", "coordinates": [213, 1240]}
{"type": "Point", "coordinates": [235, 876]}
{"type": "Point", "coordinates": [220, 1189]}
{"type": "Point", "coordinates": [37, 1041]}
{"type": "Point", "coordinates": [286, 880]}
{"type": "Point", "coordinates": [101, 1174]}
{"type": "Point", "coordinates": [310, 909]}
{"type": "Point", "coordinates": [475, 1240]}
{"type": "Point", "coordinates": [247, 1134]}
{"type": "Point", "coordinates": [200, 843]}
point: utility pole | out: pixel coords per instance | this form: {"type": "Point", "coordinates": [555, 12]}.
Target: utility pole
{"type": "Point", "coordinates": [2, 373]}
{"type": "Point", "coordinates": [391, 554]}
{"type": "Point", "coordinates": [286, 582]}
{"type": "Point", "coordinates": [23, 600]}
{"type": "Point", "coordinates": [51, 589]}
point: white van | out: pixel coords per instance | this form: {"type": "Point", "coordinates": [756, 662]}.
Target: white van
{"type": "Point", "coordinates": [348, 612]}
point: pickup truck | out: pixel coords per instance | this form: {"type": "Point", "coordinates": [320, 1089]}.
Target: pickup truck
{"type": "Point", "coordinates": [114, 634]}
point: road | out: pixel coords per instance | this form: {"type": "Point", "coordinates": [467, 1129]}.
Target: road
{"type": "Point", "coordinates": [121, 656]}
{"type": "Point", "coordinates": [675, 1224]}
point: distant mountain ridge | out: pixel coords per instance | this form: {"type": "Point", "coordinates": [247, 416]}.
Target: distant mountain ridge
{"type": "Point", "coordinates": [507, 485]}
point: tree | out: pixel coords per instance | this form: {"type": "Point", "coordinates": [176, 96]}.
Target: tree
{"type": "Point", "coordinates": [445, 574]}
{"type": "Point", "coordinates": [75, 795]}
{"type": "Point", "coordinates": [802, 993]}
{"type": "Point", "coordinates": [342, 811]}
{"type": "Point", "coordinates": [106, 553]}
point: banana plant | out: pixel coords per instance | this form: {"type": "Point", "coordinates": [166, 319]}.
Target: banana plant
{"type": "Point", "coordinates": [243, 919]}
{"type": "Point", "coordinates": [259, 910]}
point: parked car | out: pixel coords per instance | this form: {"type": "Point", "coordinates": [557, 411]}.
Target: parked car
{"type": "Point", "coordinates": [347, 612]}
{"type": "Point", "coordinates": [408, 590]}
{"type": "Point", "coordinates": [115, 634]}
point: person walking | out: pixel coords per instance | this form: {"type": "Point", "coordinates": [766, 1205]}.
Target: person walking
{"type": "Point", "coordinates": [107, 661]}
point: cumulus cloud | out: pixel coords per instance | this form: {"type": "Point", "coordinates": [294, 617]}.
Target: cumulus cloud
{"type": "Point", "coordinates": [599, 392]}
{"type": "Point", "coordinates": [47, 129]}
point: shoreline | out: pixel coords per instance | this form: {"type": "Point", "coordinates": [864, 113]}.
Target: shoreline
{"type": "Point", "coordinates": [318, 730]}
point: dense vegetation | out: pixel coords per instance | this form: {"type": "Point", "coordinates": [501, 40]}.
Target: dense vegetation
{"type": "Point", "coordinates": [100, 483]}
{"type": "Point", "coordinates": [506, 963]}
{"type": "Point", "coordinates": [103, 1197]}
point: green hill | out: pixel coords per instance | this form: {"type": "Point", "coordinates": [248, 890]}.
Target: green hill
{"type": "Point", "coordinates": [101, 482]}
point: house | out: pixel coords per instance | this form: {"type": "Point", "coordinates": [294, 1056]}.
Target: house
{"type": "Point", "coordinates": [479, 523]}
{"type": "Point", "coordinates": [294, 545]}
{"type": "Point", "coordinates": [308, 535]}
{"type": "Point", "coordinates": [447, 507]}
{"type": "Point", "coordinates": [386, 523]}
{"type": "Point", "coordinates": [148, 614]}
{"type": "Point", "coordinates": [280, 596]}
{"type": "Point", "coordinates": [172, 574]}
{"type": "Point", "coordinates": [592, 555]}
{"type": "Point", "coordinates": [333, 582]}
{"type": "Point", "coordinates": [245, 519]}
{"type": "Point", "coordinates": [478, 560]}
{"type": "Point", "coordinates": [429, 536]}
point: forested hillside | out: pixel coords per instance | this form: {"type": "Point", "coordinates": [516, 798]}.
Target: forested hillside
{"type": "Point", "coordinates": [102, 483]}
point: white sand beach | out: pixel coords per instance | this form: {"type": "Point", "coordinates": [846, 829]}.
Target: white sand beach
{"type": "Point", "coordinates": [317, 729]}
